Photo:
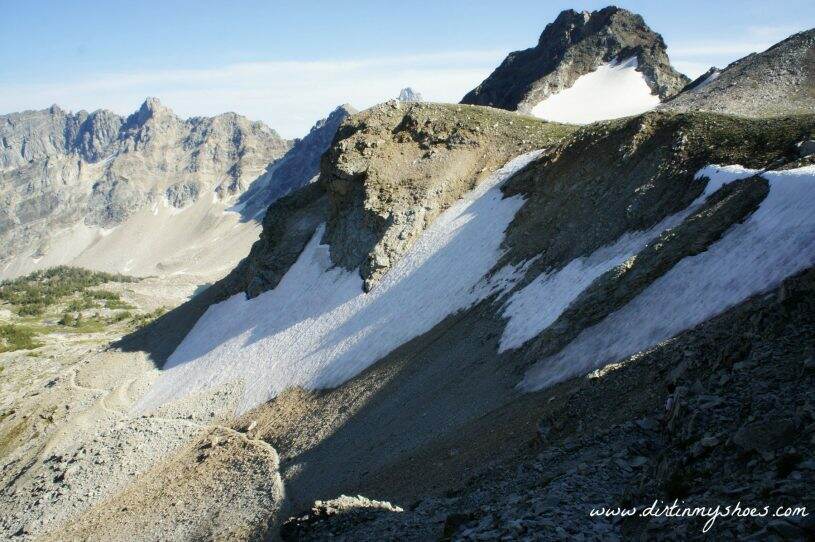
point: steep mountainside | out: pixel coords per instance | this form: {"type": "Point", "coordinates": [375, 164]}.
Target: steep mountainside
{"type": "Point", "coordinates": [455, 387]}
{"type": "Point", "coordinates": [141, 195]}
{"type": "Point", "coordinates": [590, 253]}
{"type": "Point", "coordinates": [778, 81]}
{"type": "Point", "coordinates": [388, 175]}
{"type": "Point", "coordinates": [482, 324]}
{"type": "Point", "coordinates": [575, 45]}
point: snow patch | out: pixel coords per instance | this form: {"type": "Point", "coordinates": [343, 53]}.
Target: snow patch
{"type": "Point", "coordinates": [318, 328]}
{"type": "Point", "coordinates": [535, 307]}
{"type": "Point", "coordinates": [775, 242]}
{"type": "Point", "coordinates": [613, 90]}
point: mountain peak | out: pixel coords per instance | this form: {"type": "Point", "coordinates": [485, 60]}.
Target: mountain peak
{"type": "Point", "coordinates": [343, 111]}
{"type": "Point", "coordinates": [407, 94]}
{"type": "Point", "coordinates": [152, 104]}
{"type": "Point", "coordinates": [573, 45]}
{"type": "Point", "coordinates": [151, 108]}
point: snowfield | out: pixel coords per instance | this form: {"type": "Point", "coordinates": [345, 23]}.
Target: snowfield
{"type": "Point", "coordinates": [535, 307]}
{"type": "Point", "coordinates": [776, 241]}
{"type": "Point", "coordinates": [318, 328]}
{"type": "Point", "coordinates": [613, 90]}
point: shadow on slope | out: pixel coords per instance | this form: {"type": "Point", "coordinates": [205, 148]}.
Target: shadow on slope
{"type": "Point", "coordinates": [159, 338]}
{"type": "Point", "coordinates": [288, 225]}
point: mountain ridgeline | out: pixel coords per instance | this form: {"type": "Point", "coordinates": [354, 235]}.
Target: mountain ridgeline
{"type": "Point", "coordinates": [129, 194]}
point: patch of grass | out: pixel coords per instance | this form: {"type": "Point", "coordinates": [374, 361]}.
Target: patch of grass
{"type": "Point", "coordinates": [32, 294]}
{"type": "Point", "coordinates": [17, 337]}
{"type": "Point", "coordinates": [111, 300]}
{"type": "Point", "coordinates": [141, 320]}
{"type": "Point", "coordinates": [79, 323]}
{"type": "Point", "coordinates": [120, 317]}
{"type": "Point", "coordinates": [11, 438]}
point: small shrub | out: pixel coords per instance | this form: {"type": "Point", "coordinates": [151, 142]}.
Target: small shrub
{"type": "Point", "coordinates": [16, 337]}
{"type": "Point", "coordinates": [32, 294]}
{"type": "Point", "coordinates": [141, 320]}
{"type": "Point", "coordinates": [120, 317]}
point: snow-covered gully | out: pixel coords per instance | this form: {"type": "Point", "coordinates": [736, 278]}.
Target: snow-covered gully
{"type": "Point", "coordinates": [318, 329]}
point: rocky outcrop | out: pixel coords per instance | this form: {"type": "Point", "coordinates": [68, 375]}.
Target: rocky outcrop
{"type": "Point", "coordinates": [62, 172]}
{"type": "Point", "coordinates": [641, 170]}
{"type": "Point", "coordinates": [573, 45]}
{"type": "Point", "coordinates": [778, 81]}
{"type": "Point", "coordinates": [389, 172]}
{"type": "Point", "coordinates": [394, 168]}
{"type": "Point", "coordinates": [344, 510]}
{"type": "Point", "coordinates": [222, 474]}
{"type": "Point", "coordinates": [288, 225]}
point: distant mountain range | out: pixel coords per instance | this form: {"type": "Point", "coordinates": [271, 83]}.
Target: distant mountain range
{"type": "Point", "coordinates": [147, 194]}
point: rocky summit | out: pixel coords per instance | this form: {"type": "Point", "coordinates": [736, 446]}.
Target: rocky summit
{"type": "Point", "coordinates": [429, 321]}
{"type": "Point", "coordinates": [575, 44]}
{"type": "Point", "coordinates": [407, 94]}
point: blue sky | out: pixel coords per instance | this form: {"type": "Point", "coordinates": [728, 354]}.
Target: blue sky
{"type": "Point", "coordinates": [289, 63]}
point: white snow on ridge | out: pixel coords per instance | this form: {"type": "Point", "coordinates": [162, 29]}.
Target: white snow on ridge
{"type": "Point", "coordinates": [317, 328]}
{"type": "Point", "coordinates": [775, 242]}
{"type": "Point", "coordinates": [613, 90]}
{"type": "Point", "coordinates": [536, 306]}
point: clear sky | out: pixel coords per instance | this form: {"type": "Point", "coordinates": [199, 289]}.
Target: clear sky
{"type": "Point", "coordinates": [290, 63]}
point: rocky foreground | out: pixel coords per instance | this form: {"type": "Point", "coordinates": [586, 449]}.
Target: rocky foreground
{"type": "Point", "coordinates": [719, 415]}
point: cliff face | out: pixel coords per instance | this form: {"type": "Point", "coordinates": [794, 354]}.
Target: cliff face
{"type": "Point", "coordinates": [573, 45]}
{"type": "Point", "coordinates": [69, 176]}
{"type": "Point", "coordinates": [393, 169]}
